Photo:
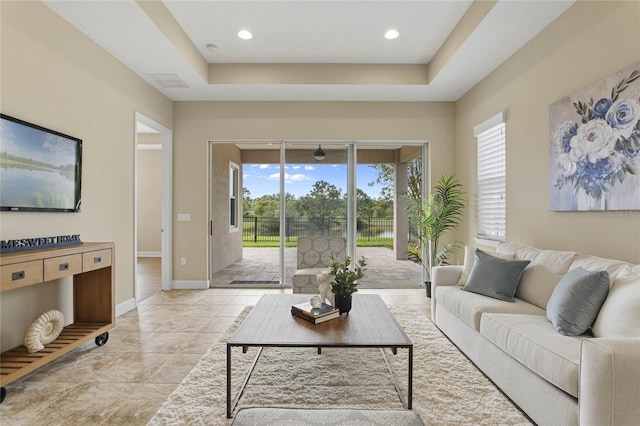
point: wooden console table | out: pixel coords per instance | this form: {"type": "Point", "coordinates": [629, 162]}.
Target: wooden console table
{"type": "Point", "coordinates": [92, 268]}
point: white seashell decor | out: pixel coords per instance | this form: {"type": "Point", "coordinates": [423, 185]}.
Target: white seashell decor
{"type": "Point", "coordinates": [43, 330]}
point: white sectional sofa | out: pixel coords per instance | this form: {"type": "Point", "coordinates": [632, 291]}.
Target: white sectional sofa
{"type": "Point", "coordinates": [590, 379]}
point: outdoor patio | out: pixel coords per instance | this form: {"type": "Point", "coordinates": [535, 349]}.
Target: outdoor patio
{"type": "Point", "coordinates": [259, 268]}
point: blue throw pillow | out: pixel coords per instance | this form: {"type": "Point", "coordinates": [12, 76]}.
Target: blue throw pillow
{"type": "Point", "coordinates": [576, 301]}
{"type": "Point", "coordinates": [495, 277]}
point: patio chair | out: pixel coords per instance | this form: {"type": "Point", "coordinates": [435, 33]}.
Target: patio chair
{"type": "Point", "coordinates": [314, 262]}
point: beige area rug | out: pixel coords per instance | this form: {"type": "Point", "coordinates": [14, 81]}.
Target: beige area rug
{"type": "Point", "coordinates": [447, 387]}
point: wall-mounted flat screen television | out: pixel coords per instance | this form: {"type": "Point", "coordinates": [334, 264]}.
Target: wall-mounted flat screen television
{"type": "Point", "coordinates": [40, 169]}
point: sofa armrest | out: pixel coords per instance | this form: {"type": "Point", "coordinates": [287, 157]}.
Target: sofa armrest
{"type": "Point", "coordinates": [609, 385]}
{"type": "Point", "coordinates": [442, 276]}
{"type": "Point", "coordinates": [445, 275]}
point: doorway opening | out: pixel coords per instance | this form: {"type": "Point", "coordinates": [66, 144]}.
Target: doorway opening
{"type": "Point", "coordinates": [152, 224]}
{"type": "Point", "coordinates": [307, 188]}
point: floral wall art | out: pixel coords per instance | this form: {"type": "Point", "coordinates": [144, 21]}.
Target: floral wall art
{"type": "Point", "coordinates": [595, 146]}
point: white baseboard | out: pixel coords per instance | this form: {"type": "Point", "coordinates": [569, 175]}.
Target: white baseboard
{"type": "Point", "coordinates": [190, 285]}
{"type": "Point", "coordinates": [149, 254]}
{"type": "Point", "coordinates": [126, 306]}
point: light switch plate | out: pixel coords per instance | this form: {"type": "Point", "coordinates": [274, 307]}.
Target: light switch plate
{"type": "Point", "coordinates": [184, 217]}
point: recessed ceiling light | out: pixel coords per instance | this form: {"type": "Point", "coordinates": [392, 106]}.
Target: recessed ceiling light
{"type": "Point", "coordinates": [391, 34]}
{"type": "Point", "coordinates": [245, 35]}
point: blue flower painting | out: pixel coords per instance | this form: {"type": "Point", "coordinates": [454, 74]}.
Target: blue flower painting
{"type": "Point", "coordinates": [595, 146]}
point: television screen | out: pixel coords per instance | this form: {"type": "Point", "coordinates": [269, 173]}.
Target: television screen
{"type": "Point", "coordinates": [40, 169]}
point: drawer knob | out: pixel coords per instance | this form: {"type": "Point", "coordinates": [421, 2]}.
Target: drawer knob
{"type": "Point", "coordinates": [97, 259]}
{"type": "Point", "coordinates": [17, 276]}
{"type": "Point", "coordinates": [64, 266]}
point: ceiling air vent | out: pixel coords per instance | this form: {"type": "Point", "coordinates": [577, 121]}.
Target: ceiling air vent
{"type": "Point", "coordinates": [167, 80]}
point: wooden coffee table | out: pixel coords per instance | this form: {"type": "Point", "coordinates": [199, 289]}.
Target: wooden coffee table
{"type": "Point", "coordinates": [368, 325]}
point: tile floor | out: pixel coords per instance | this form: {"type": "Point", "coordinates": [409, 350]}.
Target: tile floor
{"type": "Point", "coordinates": [148, 273]}
{"type": "Point", "coordinates": [149, 352]}
{"type": "Point", "coordinates": [261, 264]}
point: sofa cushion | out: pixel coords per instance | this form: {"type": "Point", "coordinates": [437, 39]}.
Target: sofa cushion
{"type": "Point", "coordinates": [495, 277]}
{"type": "Point", "coordinates": [593, 263]}
{"type": "Point", "coordinates": [518, 251]}
{"type": "Point", "coordinates": [469, 256]}
{"type": "Point", "coordinates": [576, 301]}
{"type": "Point", "coordinates": [620, 313]}
{"type": "Point", "coordinates": [469, 307]}
{"type": "Point", "coordinates": [542, 275]}
{"type": "Point", "coordinates": [532, 341]}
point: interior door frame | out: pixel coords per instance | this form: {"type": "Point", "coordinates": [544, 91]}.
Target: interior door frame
{"type": "Point", "coordinates": [167, 198]}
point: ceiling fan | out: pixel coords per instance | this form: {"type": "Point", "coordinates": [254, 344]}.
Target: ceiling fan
{"type": "Point", "coordinates": [332, 155]}
{"type": "Point", "coordinates": [319, 153]}
{"type": "Point", "coordinates": [301, 154]}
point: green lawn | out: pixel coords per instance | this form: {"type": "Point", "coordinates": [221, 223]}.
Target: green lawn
{"type": "Point", "coordinates": [362, 242]}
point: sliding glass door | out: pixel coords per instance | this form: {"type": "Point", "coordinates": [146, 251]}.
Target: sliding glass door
{"type": "Point", "coordinates": [316, 194]}
{"type": "Point", "coordinates": [265, 195]}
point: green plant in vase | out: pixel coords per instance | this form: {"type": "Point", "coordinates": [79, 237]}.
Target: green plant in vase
{"type": "Point", "coordinates": [344, 278]}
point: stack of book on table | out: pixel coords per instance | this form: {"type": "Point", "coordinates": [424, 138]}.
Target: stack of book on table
{"type": "Point", "coordinates": [323, 313]}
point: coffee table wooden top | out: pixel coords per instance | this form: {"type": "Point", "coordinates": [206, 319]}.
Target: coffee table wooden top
{"type": "Point", "coordinates": [369, 324]}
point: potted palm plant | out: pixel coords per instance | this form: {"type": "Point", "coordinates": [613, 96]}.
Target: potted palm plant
{"type": "Point", "coordinates": [434, 217]}
{"type": "Point", "coordinates": [344, 278]}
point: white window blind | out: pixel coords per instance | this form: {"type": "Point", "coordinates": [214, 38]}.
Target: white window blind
{"type": "Point", "coordinates": [491, 178]}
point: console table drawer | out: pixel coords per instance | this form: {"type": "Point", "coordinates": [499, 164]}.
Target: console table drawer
{"type": "Point", "coordinates": [96, 260]}
{"type": "Point", "coordinates": [63, 266]}
{"type": "Point", "coordinates": [21, 274]}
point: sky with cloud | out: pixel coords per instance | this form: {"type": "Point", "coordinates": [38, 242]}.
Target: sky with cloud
{"type": "Point", "coordinates": [264, 179]}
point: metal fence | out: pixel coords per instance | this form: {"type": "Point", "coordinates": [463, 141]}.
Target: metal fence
{"type": "Point", "coordinates": [258, 229]}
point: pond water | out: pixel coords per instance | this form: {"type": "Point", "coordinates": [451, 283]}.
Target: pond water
{"type": "Point", "coordinates": [36, 188]}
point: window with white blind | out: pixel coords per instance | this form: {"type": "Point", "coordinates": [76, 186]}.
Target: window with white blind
{"type": "Point", "coordinates": [492, 175]}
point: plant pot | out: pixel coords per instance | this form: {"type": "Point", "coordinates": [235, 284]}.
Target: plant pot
{"type": "Point", "coordinates": [427, 286]}
{"type": "Point", "coordinates": [343, 303]}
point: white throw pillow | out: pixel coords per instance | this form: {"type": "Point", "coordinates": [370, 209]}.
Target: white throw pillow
{"type": "Point", "coordinates": [469, 256]}
{"type": "Point", "coordinates": [620, 313]}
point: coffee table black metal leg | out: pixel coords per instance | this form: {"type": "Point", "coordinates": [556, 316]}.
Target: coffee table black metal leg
{"type": "Point", "coordinates": [410, 379]}
{"type": "Point", "coordinates": [231, 405]}
{"type": "Point", "coordinates": [228, 381]}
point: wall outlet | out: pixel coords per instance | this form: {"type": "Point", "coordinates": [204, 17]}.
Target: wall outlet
{"type": "Point", "coordinates": [183, 261]}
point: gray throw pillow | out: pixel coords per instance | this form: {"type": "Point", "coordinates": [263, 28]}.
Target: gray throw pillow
{"type": "Point", "coordinates": [495, 277]}
{"type": "Point", "coordinates": [576, 301]}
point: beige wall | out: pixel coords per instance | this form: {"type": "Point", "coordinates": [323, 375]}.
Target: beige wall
{"type": "Point", "coordinates": [587, 43]}
{"type": "Point", "coordinates": [226, 246]}
{"type": "Point", "coordinates": [149, 202]}
{"type": "Point", "coordinates": [54, 76]}
{"type": "Point", "coordinates": [197, 122]}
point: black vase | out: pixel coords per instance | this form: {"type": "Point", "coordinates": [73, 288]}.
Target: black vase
{"type": "Point", "coordinates": [343, 303]}
{"type": "Point", "coordinates": [427, 286]}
